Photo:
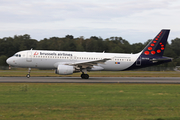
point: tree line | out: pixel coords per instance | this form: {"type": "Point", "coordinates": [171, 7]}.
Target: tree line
{"type": "Point", "coordinates": [11, 45]}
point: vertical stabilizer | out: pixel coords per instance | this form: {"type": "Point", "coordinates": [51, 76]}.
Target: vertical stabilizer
{"type": "Point", "coordinates": [158, 44]}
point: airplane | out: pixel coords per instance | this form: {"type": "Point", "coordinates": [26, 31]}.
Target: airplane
{"type": "Point", "coordinates": [69, 62]}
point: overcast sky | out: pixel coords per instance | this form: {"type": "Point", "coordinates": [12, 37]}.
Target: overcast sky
{"type": "Point", "coordinates": [133, 20]}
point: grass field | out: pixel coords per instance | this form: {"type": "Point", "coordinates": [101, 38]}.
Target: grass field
{"type": "Point", "coordinates": [71, 101]}
{"type": "Point", "coordinates": [50, 73]}
{"type": "Point", "coordinates": [57, 101]}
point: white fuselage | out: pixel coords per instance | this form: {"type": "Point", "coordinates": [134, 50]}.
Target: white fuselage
{"type": "Point", "coordinates": [51, 59]}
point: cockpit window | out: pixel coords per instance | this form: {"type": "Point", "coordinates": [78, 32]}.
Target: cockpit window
{"type": "Point", "coordinates": [17, 55]}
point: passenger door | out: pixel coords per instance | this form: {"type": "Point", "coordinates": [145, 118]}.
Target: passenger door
{"type": "Point", "coordinates": [29, 56]}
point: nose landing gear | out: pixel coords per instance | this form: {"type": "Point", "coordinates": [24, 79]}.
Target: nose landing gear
{"type": "Point", "coordinates": [29, 71]}
{"type": "Point", "coordinates": [9, 67]}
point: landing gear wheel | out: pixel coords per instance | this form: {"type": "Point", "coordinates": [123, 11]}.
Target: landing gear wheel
{"type": "Point", "coordinates": [84, 76]}
{"type": "Point", "coordinates": [29, 71]}
{"type": "Point", "coordinates": [28, 75]}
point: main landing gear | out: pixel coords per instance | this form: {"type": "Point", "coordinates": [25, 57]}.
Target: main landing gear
{"type": "Point", "coordinates": [84, 76]}
{"type": "Point", "coordinates": [29, 71]}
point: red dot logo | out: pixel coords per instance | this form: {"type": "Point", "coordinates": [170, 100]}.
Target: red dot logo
{"type": "Point", "coordinates": [158, 51]}
{"type": "Point", "coordinates": [149, 48]}
{"type": "Point", "coordinates": [152, 44]}
{"type": "Point", "coordinates": [146, 52]}
{"type": "Point", "coordinates": [162, 48]}
{"type": "Point", "coordinates": [153, 52]}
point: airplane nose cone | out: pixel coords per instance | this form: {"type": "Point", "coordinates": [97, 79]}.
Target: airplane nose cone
{"type": "Point", "coordinates": [9, 61]}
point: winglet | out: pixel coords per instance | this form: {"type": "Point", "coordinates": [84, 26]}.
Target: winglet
{"type": "Point", "coordinates": [157, 45]}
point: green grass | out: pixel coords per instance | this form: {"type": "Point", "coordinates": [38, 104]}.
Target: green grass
{"type": "Point", "coordinates": [50, 73]}
{"type": "Point", "coordinates": [54, 101]}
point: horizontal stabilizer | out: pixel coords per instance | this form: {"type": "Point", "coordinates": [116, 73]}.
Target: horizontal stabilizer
{"type": "Point", "coordinates": [161, 59]}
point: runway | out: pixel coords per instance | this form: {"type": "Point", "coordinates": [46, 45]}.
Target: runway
{"type": "Point", "coordinates": [148, 80]}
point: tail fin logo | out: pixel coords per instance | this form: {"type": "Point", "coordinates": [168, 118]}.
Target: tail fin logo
{"type": "Point", "coordinates": [157, 45]}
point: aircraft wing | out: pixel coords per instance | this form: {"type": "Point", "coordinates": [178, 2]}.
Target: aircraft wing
{"type": "Point", "coordinates": [89, 64]}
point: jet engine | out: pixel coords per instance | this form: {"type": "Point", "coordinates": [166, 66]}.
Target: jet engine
{"type": "Point", "coordinates": [64, 70]}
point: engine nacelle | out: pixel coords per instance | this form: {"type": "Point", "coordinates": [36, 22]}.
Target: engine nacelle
{"type": "Point", "coordinates": [64, 70]}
